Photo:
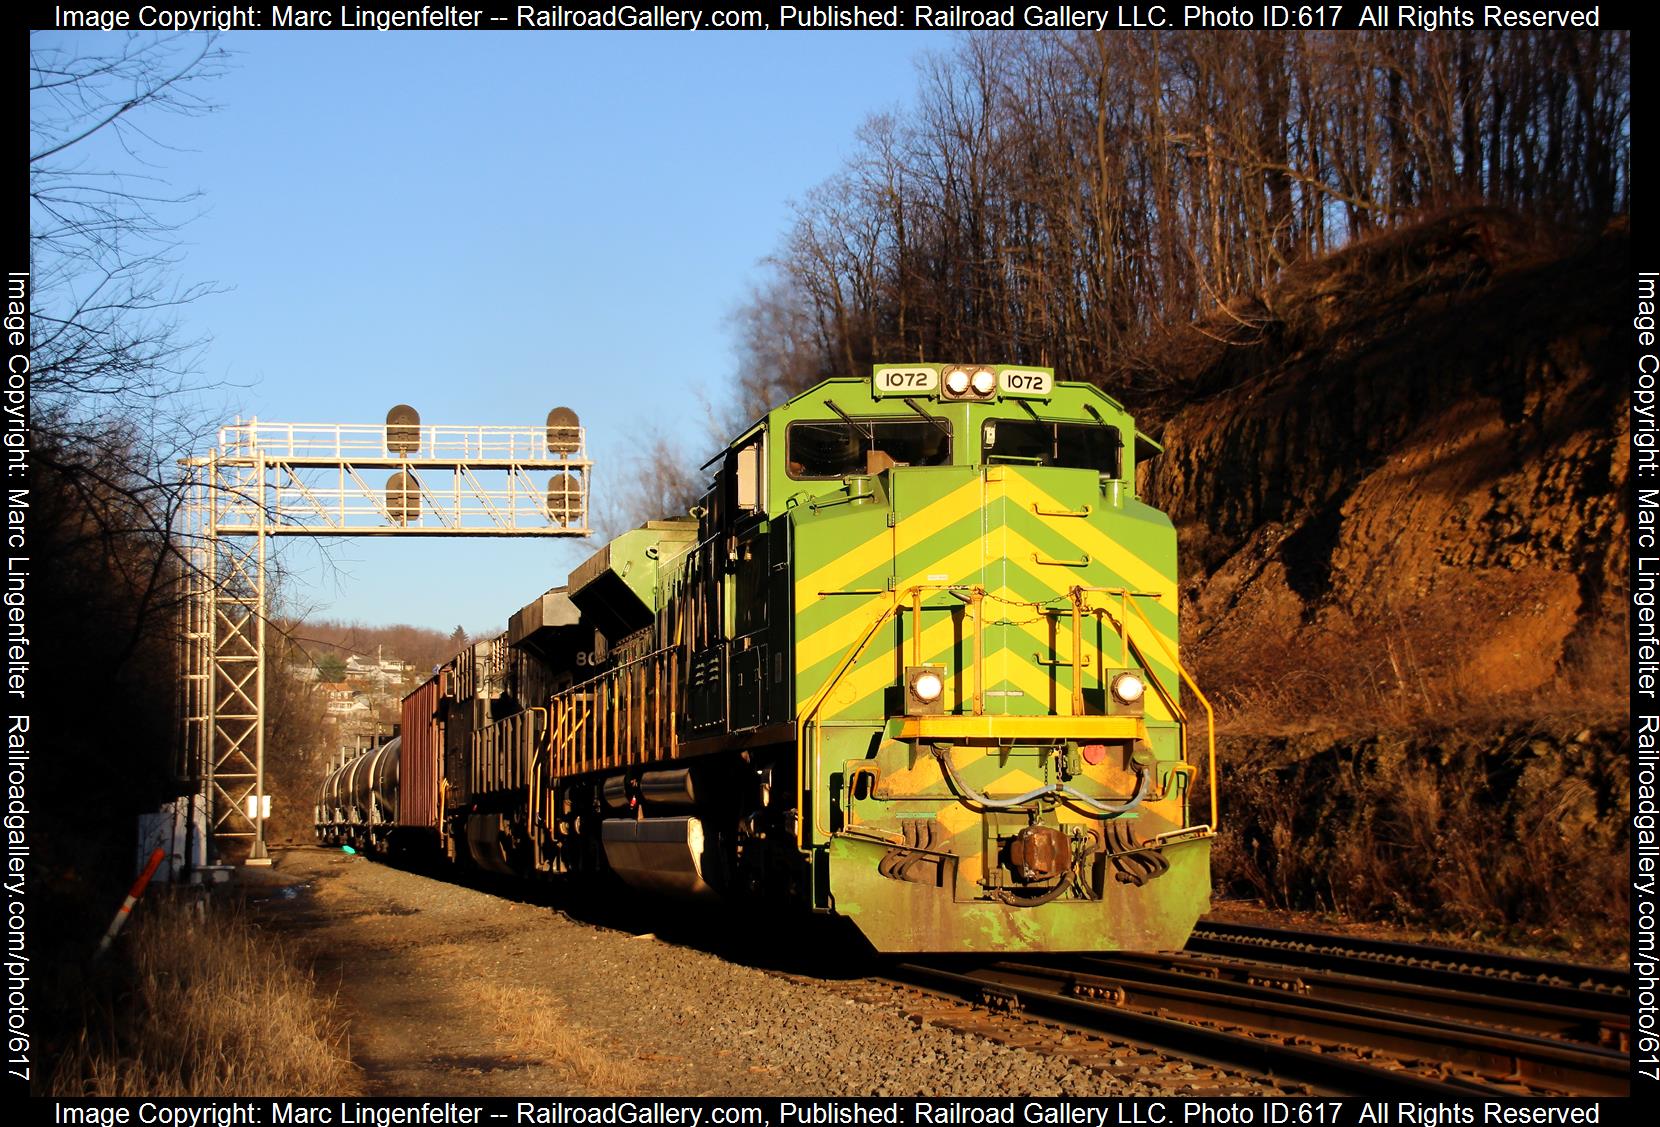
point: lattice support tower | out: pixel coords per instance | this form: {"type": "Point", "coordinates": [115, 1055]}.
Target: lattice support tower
{"type": "Point", "coordinates": [267, 479]}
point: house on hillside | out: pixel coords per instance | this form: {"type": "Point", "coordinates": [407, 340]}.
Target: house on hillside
{"type": "Point", "coordinates": [341, 699]}
{"type": "Point", "coordinates": [380, 671]}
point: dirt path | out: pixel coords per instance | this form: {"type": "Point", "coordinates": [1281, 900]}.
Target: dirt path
{"type": "Point", "coordinates": [452, 991]}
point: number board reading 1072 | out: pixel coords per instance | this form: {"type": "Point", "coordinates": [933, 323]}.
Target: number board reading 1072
{"type": "Point", "coordinates": [1036, 382]}
{"type": "Point", "coordinates": [906, 381]}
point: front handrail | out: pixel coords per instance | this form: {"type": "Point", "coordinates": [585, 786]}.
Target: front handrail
{"type": "Point", "coordinates": [807, 719]}
{"type": "Point", "coordinates": [807, 723]}
{"type": "Point", "coordinates": [809, 726]}
{"type": "Point", "coordinates": [1127, 599]}
{"type": "Point", "coordinates": [602, 723]}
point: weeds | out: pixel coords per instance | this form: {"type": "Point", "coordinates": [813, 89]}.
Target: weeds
{"type": "Point", "coordinates": [534, 1024]}
{"type": "Point", "coordinates": [206, 1005]}
{"type": "Point", "coordinates": [1513, 837]}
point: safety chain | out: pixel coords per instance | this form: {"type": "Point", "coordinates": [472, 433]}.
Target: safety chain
{"type": "Point", "coordinates": [1058, 600]}
{"type": "Point", "coordinates": [989, 597]}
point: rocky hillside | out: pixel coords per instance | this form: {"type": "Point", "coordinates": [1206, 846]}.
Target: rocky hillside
{"type": "Point", "coordinates": [1399, 477]}
{"type": "Point", "coordinates": [1399, 480]}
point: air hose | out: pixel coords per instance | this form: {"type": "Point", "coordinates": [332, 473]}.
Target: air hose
{"type": "Point", "coordinates": [1063, 791]}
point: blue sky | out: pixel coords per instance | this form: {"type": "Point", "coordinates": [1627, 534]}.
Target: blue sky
{"type": "Point", "coordinates": [473, 223]}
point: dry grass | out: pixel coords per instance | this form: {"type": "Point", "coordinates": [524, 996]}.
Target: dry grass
{"type": "Point", "coordinates": [1338, 677]}
{"type": "Point", "coordinates": [1511, 838]}
{"type": "Point", "coordinates": [1376, 783]}
{"type": "Point", "coordinates": [206, 1005]}
{"type": "Point", "coordinates": [533, 1024]}
{"type": "Point", "coordinates": [527, 1024]}
{"type": "Point", "coordinates": [1413, 673]}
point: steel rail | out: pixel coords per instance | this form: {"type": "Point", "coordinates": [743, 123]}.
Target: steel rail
{"type": "Point", "coordinates": [1592, 1026]}
{"type": "Point", "coordinates": [1565, 984]}
{"type": "Point", "coordinates": [1499, 1056]}
{"type": "Point", "coordinates": [1328, 1073]}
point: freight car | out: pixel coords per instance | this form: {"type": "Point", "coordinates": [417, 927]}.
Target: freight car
{"type": "Point", "coordinates": [912, 660]}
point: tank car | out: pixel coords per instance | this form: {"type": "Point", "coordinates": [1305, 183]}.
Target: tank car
{"type": "Point", "coordinates": [913, 660]}
{"type": "Point", "coordinates": [359, 799]}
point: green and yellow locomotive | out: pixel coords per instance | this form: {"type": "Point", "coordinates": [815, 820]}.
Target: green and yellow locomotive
{"type": "Point", "coordinates": [913, 661]}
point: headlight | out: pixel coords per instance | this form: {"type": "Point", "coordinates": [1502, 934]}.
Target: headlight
{"type": "Point", "coordinates": [924, 688]}
{"type": "Point", "coordinates": [984, 382]}
{"type": "Point", "coordinates": [957, 381]}
{"type": "Point", "coordinates": [1128, 688]}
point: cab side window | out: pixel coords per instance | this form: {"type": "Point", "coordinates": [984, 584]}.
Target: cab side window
{"type": "Point", "coordinates": [749, 480]}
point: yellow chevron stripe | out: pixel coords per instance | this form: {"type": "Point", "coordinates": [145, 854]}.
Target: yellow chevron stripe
{"type": "Point", "coordinates": [1135, 571]}
{"type": "Point", "coordinates": [1023, 550]}
{"type": "Point", "coordinates": [962, 566]}
{"type": "Point", "coordinates": [928, 522]}
{"type": "Point", "coordinates": [868, 677]}
{"type": "Point", "coordinates": [860, 559]}
{"type": "Point", "coordinates": [835, 640]}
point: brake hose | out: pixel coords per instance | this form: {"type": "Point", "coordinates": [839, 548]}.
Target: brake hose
{"type": "Point", "coordinates": [1067, 793]}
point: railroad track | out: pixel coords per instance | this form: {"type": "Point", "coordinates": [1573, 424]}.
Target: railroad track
{"type": "Point", "coordinates": [1568, 984]}
{"type": "Point", "coordinates": [1591, 1025]}
{"type": "Point", "coordinates": [1483, 1025]}
{"type": "Point", "coordinates": [1143, 1066]}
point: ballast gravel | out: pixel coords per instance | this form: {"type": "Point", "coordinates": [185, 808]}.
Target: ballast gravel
{"type": "Point", "coordinates": [449, 990]}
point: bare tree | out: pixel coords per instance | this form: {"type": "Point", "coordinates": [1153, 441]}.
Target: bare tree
{"type": "Point", "coordinates": [658, 481]}
{"type": "Point", "coordinates": [110, 366]}
{"type": "Point", "coordinates": [1057, 198]}
{"type": "Point", "coordinates": [102, 241]}
{"type": "Point", "coordinates": [109, 363]}
{"type": "Point", "coordinates": [779, 350]}
{"type": "Point", "coordinates": [296, 737]}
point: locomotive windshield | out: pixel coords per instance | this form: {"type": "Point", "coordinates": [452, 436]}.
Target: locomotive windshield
{"type": "Point", "coordinates": [837, 448]}
{"type": "Point", "coordinates": [1083, 446]}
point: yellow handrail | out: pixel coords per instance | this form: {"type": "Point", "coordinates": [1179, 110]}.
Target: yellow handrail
{"type": "Point", "coordinates": [808, 715]}
{"type": "Point", "coordinates": [1181, 671]}
{"type": "Point", "coordinates": [575, 712]}
{"type": "Point", "coordinates": [614, 700]}
{"type": "Point", "coordinates": [533, 782]}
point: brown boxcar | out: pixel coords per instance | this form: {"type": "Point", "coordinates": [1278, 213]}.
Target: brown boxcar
{"type": "Point", "coordinates": [423, 742]}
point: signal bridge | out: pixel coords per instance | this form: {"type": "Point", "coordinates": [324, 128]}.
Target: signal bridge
{"type": "Point", "coordinates": [265, 479]}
